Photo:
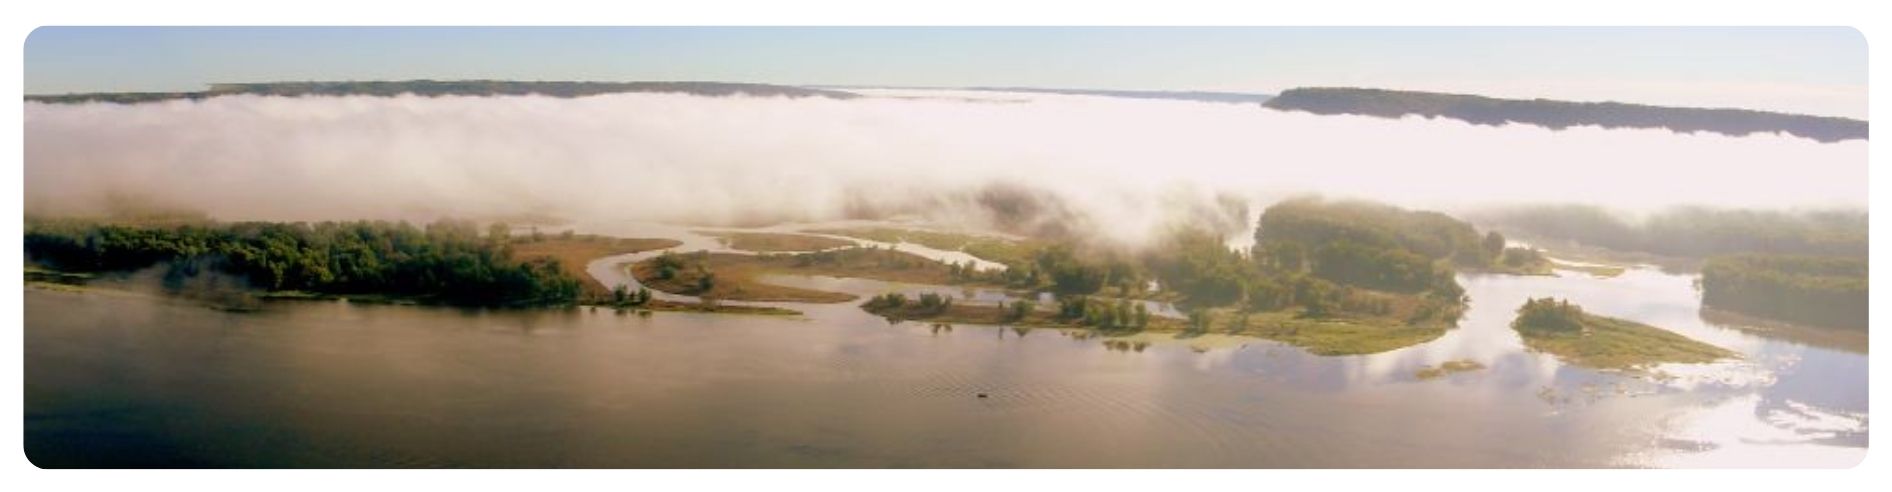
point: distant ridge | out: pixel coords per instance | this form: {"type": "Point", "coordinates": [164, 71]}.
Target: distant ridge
{"type": "Point", "coordinates": [1558, 115]}
{"type": "Point", "coordinates": [450, 88]}
{"type": "Point", "coordinates": [1201, 96]}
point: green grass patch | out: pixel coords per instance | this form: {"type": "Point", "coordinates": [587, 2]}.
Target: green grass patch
{"type": "Point", "coordinates": [1600, 342]}
{"type": "Point", "coordinates": [1334, 336]}
{"type": "Point", "coordinates": [1598, 271]}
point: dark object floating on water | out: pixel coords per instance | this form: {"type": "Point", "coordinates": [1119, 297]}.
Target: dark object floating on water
{"type": "Point", "coordinates": [982, 395]}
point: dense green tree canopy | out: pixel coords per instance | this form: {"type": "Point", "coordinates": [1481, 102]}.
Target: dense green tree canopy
{"type": "Point", "coordinates": [1826, 291]}
{"type": "Point", "coordinates": [448, 261]}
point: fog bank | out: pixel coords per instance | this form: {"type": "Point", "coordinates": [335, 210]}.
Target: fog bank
{"type": "Point", "coordinates": [1116, 167]}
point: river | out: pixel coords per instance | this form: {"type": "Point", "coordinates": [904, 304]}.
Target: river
{"type": "Point", "coordinates": [120, 380]}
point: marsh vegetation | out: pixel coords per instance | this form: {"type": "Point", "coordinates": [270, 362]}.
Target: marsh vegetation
{"type": "Point", "coordinates": [1562, 329]}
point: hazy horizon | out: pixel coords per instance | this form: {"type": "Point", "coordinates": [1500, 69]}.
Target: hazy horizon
{"type": "Point", "coordinates": [1817, 71]}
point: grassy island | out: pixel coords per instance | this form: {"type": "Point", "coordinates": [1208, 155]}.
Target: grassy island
{"type": "Point", "coordinates": [989, 248]}
{"type": "Point", "coordinates": [774, 242]}
{"type": "Point", "coordinates": [1562, 329]}
{"type": "Point", "coordinates": [1595, 270]}
{"type": "Point", "coordinates": [735, 277]}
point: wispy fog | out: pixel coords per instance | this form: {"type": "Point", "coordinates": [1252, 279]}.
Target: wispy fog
{"type": "Point", "coordinates": [1018, 161]}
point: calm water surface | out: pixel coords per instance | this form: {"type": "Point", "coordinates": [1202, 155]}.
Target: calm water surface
{"type": "Point", "coordinates": [125, 380]}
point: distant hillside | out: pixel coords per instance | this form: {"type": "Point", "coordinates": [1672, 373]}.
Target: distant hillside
{"type": "Point", "coordinates": [1201, 96]}
{"type": "Point", "coordinates": [1560, 114]}
{"type": "Point", "coordinates": [450, 88]}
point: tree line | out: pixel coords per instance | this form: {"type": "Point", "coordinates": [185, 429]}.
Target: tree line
{"type": "Point", "coordinates": [1315, 257]}
{"type": "Point", "coordinates": [448, 261]}
{"type": "Point", "coordinates": [1827, 291]}
{"type": "Point", "coordinates": [1697, 232]}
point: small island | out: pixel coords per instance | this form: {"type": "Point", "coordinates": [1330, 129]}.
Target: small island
{"type": "Point", "coordinates": [986, 247]}
{"type": "Point", "coordinates": [775, 242]}
{"type": "Point", "coordinates": [1562, 329]}
{"type": "Point", "coordinates": [737, 277]}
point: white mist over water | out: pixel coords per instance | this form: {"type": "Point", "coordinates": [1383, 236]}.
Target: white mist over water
{"type": "Point", "coordinates": [1121, 167]}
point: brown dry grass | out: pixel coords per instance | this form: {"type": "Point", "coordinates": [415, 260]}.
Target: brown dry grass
{"type": "Point", "coordinates": [574, 252]}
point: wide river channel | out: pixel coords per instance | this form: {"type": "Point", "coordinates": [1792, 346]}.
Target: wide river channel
{"type": "Point", "coordinates": [116, 379]}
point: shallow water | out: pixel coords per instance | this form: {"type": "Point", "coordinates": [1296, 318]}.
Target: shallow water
{"type": "Point", "coordinates": [116, 380]}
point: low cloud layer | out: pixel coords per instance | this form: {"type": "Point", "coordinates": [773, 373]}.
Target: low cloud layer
{"type": "Point", "coordinates": [1117, 167]}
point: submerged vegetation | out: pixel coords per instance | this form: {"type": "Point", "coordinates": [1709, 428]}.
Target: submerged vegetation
{"type": "Point", "coordinates": [1562, 329]}
{"type": "Point", "coordinates": [1824, 291]}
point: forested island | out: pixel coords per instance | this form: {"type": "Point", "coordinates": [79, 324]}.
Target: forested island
{"type": "Point", "coordinates": [444, 262]}
{"type": "Point", "coordinates": [1807, 267]}
{"type": "Point", "coordinates": [1558, 115]}
{"type": "Point", "coordinates": [1334, 277]}
{"type": "Point", "coordinates": [1815, 290]}
{"type": "Point", "coordinates": [435, 88]}
{"type": "Point", "coordinates": [233, 265]}
{"type": "Point", "coordinates": [1562, 329]}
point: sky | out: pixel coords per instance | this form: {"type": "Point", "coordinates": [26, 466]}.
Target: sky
{"type": "Point", "coordinates": [1803, 70]}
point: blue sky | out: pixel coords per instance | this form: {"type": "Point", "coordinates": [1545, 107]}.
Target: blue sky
{"type": "Point", "coordinates": [1811, 70]}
